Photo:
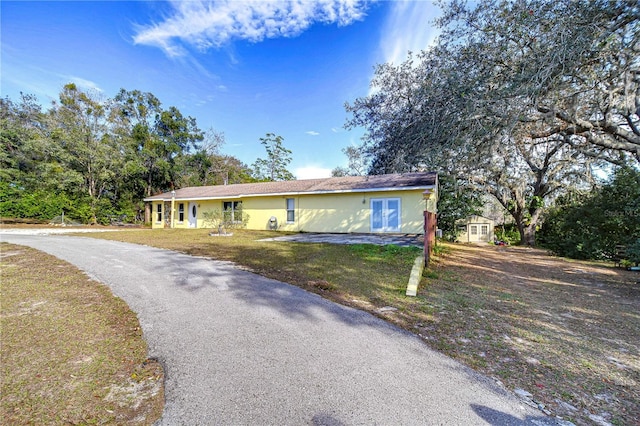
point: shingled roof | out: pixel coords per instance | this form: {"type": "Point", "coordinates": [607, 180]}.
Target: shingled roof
{"type": "Point", "coordinates": [391, 182]}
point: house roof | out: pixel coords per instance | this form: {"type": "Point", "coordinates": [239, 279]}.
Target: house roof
{"type": "Point", "coordinates": [390, 182]}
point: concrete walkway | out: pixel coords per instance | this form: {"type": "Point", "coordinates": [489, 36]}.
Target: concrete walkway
{"type": "Point", "coordinates": [240, 349]}
{"type": "Point", "coordinates": [378, 239]}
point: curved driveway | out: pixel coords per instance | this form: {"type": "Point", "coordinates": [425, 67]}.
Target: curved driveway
{"type": "Point", "coordinates": [239, 348]}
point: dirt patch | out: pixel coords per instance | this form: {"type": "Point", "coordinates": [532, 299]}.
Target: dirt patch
{"type": "Point", "coordinates": [565, 332]}
{"type": "Point", "coordinates": [71, 352]}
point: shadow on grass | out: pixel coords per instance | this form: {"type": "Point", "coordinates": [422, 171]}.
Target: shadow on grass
{"type": "Point", "coordinates": [495, 417]}
{"type": "Point", "coordinates": [565, 331]}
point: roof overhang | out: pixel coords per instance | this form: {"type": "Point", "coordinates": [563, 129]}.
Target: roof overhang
{"type": "Point", "coordinates": [426, 188]}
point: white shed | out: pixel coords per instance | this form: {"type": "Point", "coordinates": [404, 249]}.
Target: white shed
{"type": "Point", "coordinates": [476, 229]}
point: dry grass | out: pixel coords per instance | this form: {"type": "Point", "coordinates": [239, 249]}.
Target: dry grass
{"type": "Point", "coordinates": [568, 332]}
{"type": "Point", "coordinates": [354, 275]}
{"type": "Point", "coordinates": [72, 353]}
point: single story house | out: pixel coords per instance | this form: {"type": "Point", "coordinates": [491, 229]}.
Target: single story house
{"type": "Point", "coordinates": [475, 229]}
{"type": "Point", "coordinates": [393, 203]}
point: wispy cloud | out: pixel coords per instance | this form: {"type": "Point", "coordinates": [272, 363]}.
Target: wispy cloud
{"type": "Point", "coordinates": [207, 24]}
{"type": "Point", "coordinates": [409, 27]}
{"type": "Point", "coordinates": [84, 83]}
{"type": "Point", "coordinates": [312, 133]}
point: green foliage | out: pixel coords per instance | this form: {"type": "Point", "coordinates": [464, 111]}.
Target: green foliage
{"type": "Point", "coordinates": [633, 252]}
{"type": "Point", "coordinates": [508, 233]}
{"type": "Point", "coordinates": [212, 218]}
{"type": "Point", "coordinates": [520, 97]}
{"type": "Point", "coordinates": [439, 250]}
{"type": "Point", "coordinates": [457, 201]}
{"type": "Point", "coordinates": [590, 225]}
{"type": "Point", "coordinates": [39, 204]}
{"type": "Point", "coordinates": [96, 159]}
{"type": "Point", "coordinates": [385, 253]}
{"type": "Point", "coordinates": [274, 167]}
{"type": "Point", "coordinates": [217, 218]}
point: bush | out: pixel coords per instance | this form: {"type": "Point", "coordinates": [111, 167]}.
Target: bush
{"type": "Point", "coordinates": [508, 233]}
{"type": "Point", "coordinates": [19, 203]}
{"type": "Point", "coordinates": [591, 225]}
{"type": "Point", "coordinates": [633, 252]}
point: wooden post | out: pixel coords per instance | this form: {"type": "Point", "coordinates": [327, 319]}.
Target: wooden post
{"type": "Point", "coordinates": [430, 226]}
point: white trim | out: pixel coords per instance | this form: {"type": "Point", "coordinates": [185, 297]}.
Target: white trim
{"type": "Point", "coordinates": [385, 210]}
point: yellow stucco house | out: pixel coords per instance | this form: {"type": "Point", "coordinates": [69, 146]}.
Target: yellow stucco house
{"type": "Point", "coordinates": [393, 203]}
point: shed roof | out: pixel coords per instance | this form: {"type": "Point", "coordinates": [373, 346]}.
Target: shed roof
{"type": "Point", "coordinates": [389, 182]}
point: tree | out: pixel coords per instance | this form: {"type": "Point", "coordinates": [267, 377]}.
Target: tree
{"type": "Point", "coordinates": [20, 129]}
{"type": "Point", "coordinates": [154, 138]}
{"type": "Point", "coordinates": [563, 67]}
{"type": "Point", "coordinates": [482, 103]}
{"type": "Point", "coordinates": [589, 225]}
{"type": "Point", "coordinates": [96, 157]}
{"type": "Point", "coordinates": [274, 167]}
{"type": "Point", "coordinates": [457, 200]}
{"type": "Point", "coordinates": [81, 129]}
{"type": "Point", "coordinates": [357, 165]}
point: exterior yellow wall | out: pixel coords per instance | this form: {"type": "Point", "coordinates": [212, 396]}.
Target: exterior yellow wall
{"type": "Point", "coordinates": [342, 213]}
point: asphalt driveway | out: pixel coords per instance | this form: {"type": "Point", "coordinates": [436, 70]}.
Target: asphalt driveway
{"type": "Point", "coordinates": [239, 348]}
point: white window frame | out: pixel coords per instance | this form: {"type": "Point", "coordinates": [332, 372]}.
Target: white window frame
{"type": "Point", "coordinates": [234, 211]}
{"type": "Point", "coordinates": [290, 204]}
{"type": "Point", "coordinates": [180, 212]}
{"type": "Point", "coordinates": [159, 213]}
{"type": "Point", "coordinates": [385, 215]}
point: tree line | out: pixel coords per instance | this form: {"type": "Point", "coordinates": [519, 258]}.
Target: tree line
{"type": "Point", "coordinates": [522, 101]}
{"type": "Point", "coordinates": [95, 158]}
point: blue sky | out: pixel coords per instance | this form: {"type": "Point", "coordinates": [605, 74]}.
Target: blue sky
{"type": "Point", "coordinates": [243, 68]}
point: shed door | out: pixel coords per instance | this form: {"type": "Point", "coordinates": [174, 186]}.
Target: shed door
{"type": "Point", "coordinates": [479, 232]}
{"type": "Point", "coordinates": [193, 215]}
{"type": "Point", "coordinates": [385, 215]}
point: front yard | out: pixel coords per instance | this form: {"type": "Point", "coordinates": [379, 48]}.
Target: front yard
{"type": "Point", "coordinates": [566, 332]}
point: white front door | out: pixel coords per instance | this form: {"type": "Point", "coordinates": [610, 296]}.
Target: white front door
{"type": "Point", "coordinates": [385, 215]}
{"type": "Point", "coordinates": [193, 215]}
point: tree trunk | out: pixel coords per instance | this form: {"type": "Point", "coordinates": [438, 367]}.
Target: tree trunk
{"type": "Point", "coordinates": [529, 236]}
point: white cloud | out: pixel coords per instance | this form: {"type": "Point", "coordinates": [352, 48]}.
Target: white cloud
{"type": "Point", "coordinates": [312, 133]}
{"type": "Point", "coordinates": [409, 27]}
{"type": "Point", "coordinates": [207, 24]}
{"type": "Point", "coordinates": [82, 83]}
{"type": "Point", "coordinates": [312, 172]}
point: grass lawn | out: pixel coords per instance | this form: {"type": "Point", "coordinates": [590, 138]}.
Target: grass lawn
{"type": "Point", "coordinates": [567, 332]}
{"type": "Point", "coordinates": [71, 352]}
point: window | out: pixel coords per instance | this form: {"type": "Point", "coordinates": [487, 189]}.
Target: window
{"type": "Point", "coordinates": [473, 229]}
{"type": "Point", "coordinates": [181, 212]}
{"type": "Point", "coordinates": [484, 230]}
{"type": "Point", "coordinates": [158, 212]}
{"type": "Point", "coordinates": [385, 215]}
{"type": "Point", "coordinates": [291, 213]}
{"type": "Point", "coordinates": [232, 211]}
